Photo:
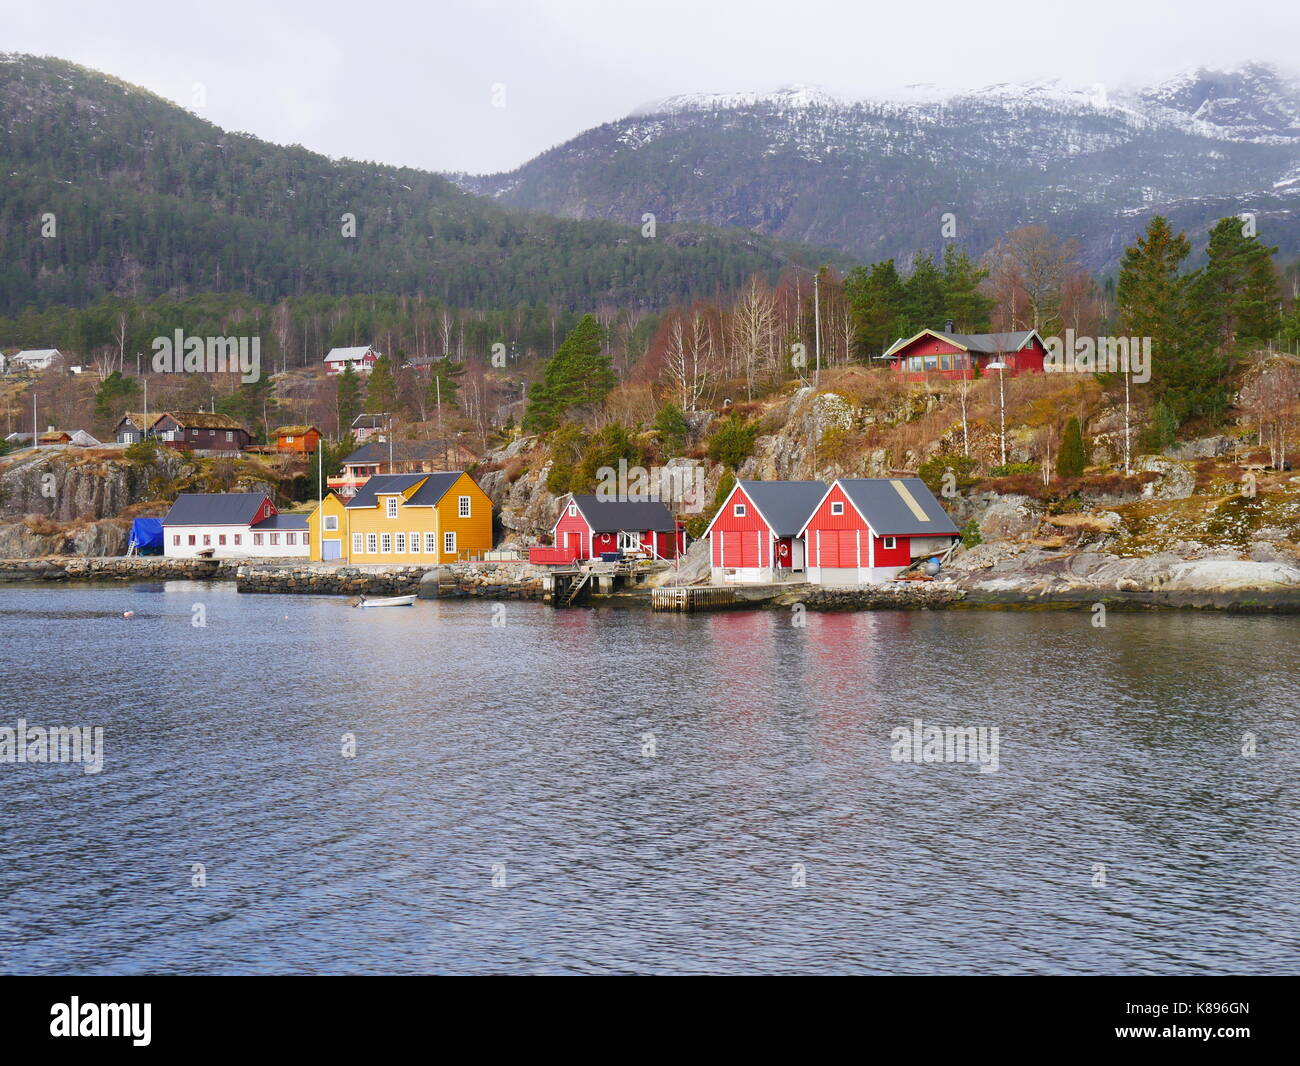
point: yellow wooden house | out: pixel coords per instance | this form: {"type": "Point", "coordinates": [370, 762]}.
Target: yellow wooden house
{"type": "Point", "coordinates": [405, 518]}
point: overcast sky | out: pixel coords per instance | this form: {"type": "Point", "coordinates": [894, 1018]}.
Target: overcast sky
{"type": "Point", "coordinates": [413, 83]}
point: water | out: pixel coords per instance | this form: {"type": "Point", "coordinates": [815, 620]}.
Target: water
{"type": "Point", "coordinates": [522, 745]}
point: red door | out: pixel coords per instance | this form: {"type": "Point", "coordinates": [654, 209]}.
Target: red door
{"type": "Point", "coordinates": [839, 547]}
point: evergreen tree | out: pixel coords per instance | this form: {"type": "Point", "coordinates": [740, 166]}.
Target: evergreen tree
{"type": "Point", "coordinates": [671, 426]}
{"type": "Point", "coordinates": [577, 375]}
{"type": "Point", "coordinates": [114, 397]}
{"type": "Point", "coordinates": [1237, 291]}
{"type": "Point", "coordinates": [1071, 459]}
{"type": "Point", "coordinates": [877, 300]}
{"type": "Point", "coordinates": [925, 296]}
{"type": "Point", "coordinates": [381, 389]}
{"type": "Point", "coordinates": [444, 381]}
{"type": "Point", "coordinates": [348, 402]}
{"type": "Point", "coordinates": [969, 309]}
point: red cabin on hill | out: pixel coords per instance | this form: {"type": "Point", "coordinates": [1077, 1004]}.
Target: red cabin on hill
{"type": "Point", "coordinates": [755, 534]}
{"type": "Point", "coordinates": [958, 355]}
{"type": "Point", "coordinates": [866, 530]}
{"type": "Point", "coordinates": [589, 526]}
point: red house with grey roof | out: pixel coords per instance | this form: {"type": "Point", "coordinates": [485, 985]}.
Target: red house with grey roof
{"type": "Point", "coordinates": [588, 527]}
{"type": "Point", "coordinates": [935, 354]}
{"type": "Point", "coordinates": [754, 537]}
{"type": "Point", "coordinates": [865, 530]}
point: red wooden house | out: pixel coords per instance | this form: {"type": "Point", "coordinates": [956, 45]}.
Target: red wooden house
{"type": "Point", "coordinates": [588, 526]}
{"type": "Point", "coordinates": [866, 530]}
{"type": "Point", "coordinates": [960, 355]}
{"type": "Point", "coordinates": [755, 534]}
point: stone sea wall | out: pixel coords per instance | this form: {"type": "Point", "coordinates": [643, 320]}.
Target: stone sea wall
{"type": "Point", "coordinates": [117, 568]}
{"type": "Point", "coordinates": [492, 580]}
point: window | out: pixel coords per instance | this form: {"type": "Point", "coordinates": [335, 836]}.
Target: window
{"type": "Point", "coordinates": [401, 544]}
{"type": "Point", "coordinates": [288, 440]}
{"type": "Point", "coordinates": [837, 508]}
{"type": "Point", "coordinates": [275, 538]}
{"type": "Point", "coordinates": [386, 543]}
{"type": "Point", "coordinates": [257, 538]}
{"type": "Point", "coordinates": [887, 543]}
{"type": "Point", "coordinates": [212, 433]}
{"type": "Point", "coordinates": [230, 434]}
{"type": "Point", "coordinates": [414, 542]}
{"type": "Point", "coordinates": [221, 538]}
{"type": "Point", "coordinates": [431, 543]}
{"type": "Point", "coordinates": [207, 539]}
{"type": "Point", "coordinates": [191, 538]}
{"type": "Point", "coordinates": [176, 539]}
{"type": "Point", "coordinates": [629, 542]}
{"type": "Point", "coordinates": [291, 538]}
{"type": "Point", "coordinates": [331, 522]}
{"type": "Point", "coordinates": [372, 543]}
{"type": "Point", "coordinates": [239, 539]}
{"type": "Point", "coordinates": [931, 362]}
{"type": "Point", "coordinates": [356, 544]}
{"type": "Point", "coordinates": [391, 504]}
{"type": "Point", "coordinates": [573, 510]}
{"type": "Point", "coordinates": [449, 543]}
{"type": "Point", "coordinates": [739, 510]}
{"type": "Point", "coordinates": [462, 507]}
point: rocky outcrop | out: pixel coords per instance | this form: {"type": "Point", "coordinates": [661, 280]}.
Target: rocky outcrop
{"type": "Point", "coordinates": [73, 483]}
{"type": "Point", "coordinates": [19, 540]}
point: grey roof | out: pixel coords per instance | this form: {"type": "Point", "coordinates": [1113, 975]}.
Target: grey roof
{"type": "Point", "coordinates": [282, 521]}
{"type": "Point", "coordinates": [368, 494]}
{"type": "Point", "coordinates": [404, 451]}
{"type": "Point", "coordinates": [214, 508]}
{"type": "Point", "coordinates": [885, 508]}
{"type": "Point", "coordinates": [986, 343]}
{"type": "Point", "coordinates": [614, 516]}
{"type": "Point", "coordinates": [785, 505]}
{"type": "Point", "coordinates": [433, 490]}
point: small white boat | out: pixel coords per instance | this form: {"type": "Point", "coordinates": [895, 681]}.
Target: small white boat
{"type": "Point", "coordinates": [391, 601]}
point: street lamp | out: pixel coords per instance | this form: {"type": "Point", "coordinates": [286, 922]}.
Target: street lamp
{"type": "Point", "coordinates": [1000, 366]}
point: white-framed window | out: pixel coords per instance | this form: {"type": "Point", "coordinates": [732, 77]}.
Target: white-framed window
{"type": "Point", "coordinates": [386, 543]}
{"type": "Point", "coordinates": [573, 510]}
{"type": "Point", "coordinates": [629, 542]}
{"type": "Point", "coordinates": [462, 507]}
{"type": "Point", "coordinates": [230, 434]}
{"type": "Point", "coordinates": [372, 543]}
{"type": "Point", "coordinates": [837, 507]}
{"type": "Point", "coordinates": [288, 440]}
{"type": "Point", "coordinates": [331, 522]}
{"type": "Point", "coordinates": [357, 542]}
{"type": "Point", "coordinates": [738, 510]}
{"type": "Point", "coordinates": [449, 543]}
{"type": "Point", "coordinates": [401, 544]}
{"type": "Point", "coordinates": [887, 543]}
{"type": "Point", "coordinates": [391, 504]}
{"type": "Point", "coordinates": [414, 542]}
{"type": "Point", "coordinates": [431, 543]}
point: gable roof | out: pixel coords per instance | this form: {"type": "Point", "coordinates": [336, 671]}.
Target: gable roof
{"type": "Point", "coordinates": [784, 505]}
{"type": "Point", "coordinates": [214, 508]}
{"type": "Point", "coordinates": [368, 494]}
{"type": "Point", "coordinates": [140, 419]}
{"type": "Point", "coordinates": [405, 451]}
{"type": "Point", "coordinates": [36, 353]}
{"type": "Point", "coordinates": [282, 521]}
{"type": "Point", "coordinates": [370, 421]}
{"type": "Point", "coordinates": [981, 343]}
{"type": "Point", "coordinates": [435, 487]}
{"type": "Point", "coordinates": [614, 516]}
{"type": "Point", "coordinates": [200, 420]}
{"type": "Point", "coordinates": [295, 431]}
{"type": "Point", "coordinates": [340, 355]}
{"type": "Point", "coordinates": [903, 507]}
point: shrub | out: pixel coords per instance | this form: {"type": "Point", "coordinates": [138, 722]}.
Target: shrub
{"type": "Point", "coordinates": [732, 442]}
{"type": "Point", "coordinates": [1071, 459]}
{"type": "Point", "coordinates": [936, 468]}
{"type": "Point", "coordinates": [970, 534]}
{"type": "Point", "coordinates": [142, 451]}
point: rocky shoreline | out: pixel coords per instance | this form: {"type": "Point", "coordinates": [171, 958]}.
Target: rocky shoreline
{"type": "Point", "coordinates": [991, 576]}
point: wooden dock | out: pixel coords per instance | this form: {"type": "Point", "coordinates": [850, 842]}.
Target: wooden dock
{"type": "Point", "coordinates": [688, 598]}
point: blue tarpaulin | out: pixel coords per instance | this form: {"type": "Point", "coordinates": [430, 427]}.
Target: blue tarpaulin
{"type": "Point", "coordinates": [147, 536]}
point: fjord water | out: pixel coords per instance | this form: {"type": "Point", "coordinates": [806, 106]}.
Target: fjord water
{"type": "Point", "coordinates": [518, 749]}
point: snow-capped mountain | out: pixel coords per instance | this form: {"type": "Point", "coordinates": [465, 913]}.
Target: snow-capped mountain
{"type": "Point", "coordinates": [877, 177]}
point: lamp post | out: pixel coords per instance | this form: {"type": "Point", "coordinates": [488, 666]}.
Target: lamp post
{"type": "Point", "coordinates": [1000, 367]}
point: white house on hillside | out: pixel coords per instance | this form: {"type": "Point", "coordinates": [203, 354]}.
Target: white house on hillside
{"type": "Point", "coordinates": [35, 359]}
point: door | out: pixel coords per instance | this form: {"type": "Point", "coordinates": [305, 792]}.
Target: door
{"type": "Point", "coordinates": [331, 549]}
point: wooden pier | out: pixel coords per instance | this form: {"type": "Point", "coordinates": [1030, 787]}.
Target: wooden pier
{"type": "Point", "coordinates": [688, 598]}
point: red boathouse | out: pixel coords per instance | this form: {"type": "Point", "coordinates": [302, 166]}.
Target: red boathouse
{"type": "Point", "coordinates": [588, 526]}
{"type": "Point", "coordinates": [754, 537]}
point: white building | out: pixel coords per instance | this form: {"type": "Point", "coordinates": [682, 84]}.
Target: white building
{"type": "Point", "coordinates": [233, 525]}
{"type": "Point", "coordinates": [35, 359]}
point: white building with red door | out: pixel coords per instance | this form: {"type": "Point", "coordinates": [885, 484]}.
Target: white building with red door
{"type": "Point", "coordinates": [865, 530]}
{"type": "Point", "coordinates": [588, 527]}
{"type": "Point", "coordinates": [754, 537]}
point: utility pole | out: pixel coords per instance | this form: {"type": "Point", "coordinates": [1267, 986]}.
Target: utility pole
{"type": "Point", "coordinates": [36, 440]}
{"type": "Point", "coordinates": [817, 326]}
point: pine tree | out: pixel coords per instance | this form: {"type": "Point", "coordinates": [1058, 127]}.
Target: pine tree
{"type": "Point", "coordinates": [577, 375]}
{"type": "Point", "coordinates": [1237, 291]}
{"type": "Point", "coordinates": [964, 304]}
{"type": "Point", "coordinates": [925, 296]}
{"type": "Point", "coordinates": [114, 396]}
{"type": "Point", "coordinates": [348, 403]}
{"type": "Point", "coordinates": [381, 389]}
{"type": "Point", "coordinates": [877, 299]}
{"type": "Point", "coordinates": [671, 426]}
{"type": "Point", "coordinates": [1071, 459]}
{"type": "Point", "coordinates": [444, 381]}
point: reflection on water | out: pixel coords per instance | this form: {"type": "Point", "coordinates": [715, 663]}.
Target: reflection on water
{"type": "Point", "coordinates": [519, 748]}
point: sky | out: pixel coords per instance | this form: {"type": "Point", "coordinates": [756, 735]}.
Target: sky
{"type": "Point", "coordinates": [484, 85]}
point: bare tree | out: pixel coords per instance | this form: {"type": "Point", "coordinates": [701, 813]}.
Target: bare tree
{"type": "Point", "coordinates": [753, 328]}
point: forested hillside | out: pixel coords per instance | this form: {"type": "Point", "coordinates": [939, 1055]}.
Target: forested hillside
{"type": "Point", "coordinates": [149, 200]}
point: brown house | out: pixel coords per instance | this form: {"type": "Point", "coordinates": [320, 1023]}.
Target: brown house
{"type": "Point", "coordinates": [297, 438]}
{"type": "Point", "coordinates": [201, 430]}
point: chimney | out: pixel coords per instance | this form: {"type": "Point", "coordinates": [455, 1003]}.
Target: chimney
{"type": "Point", "coordinates": [948, 328]}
